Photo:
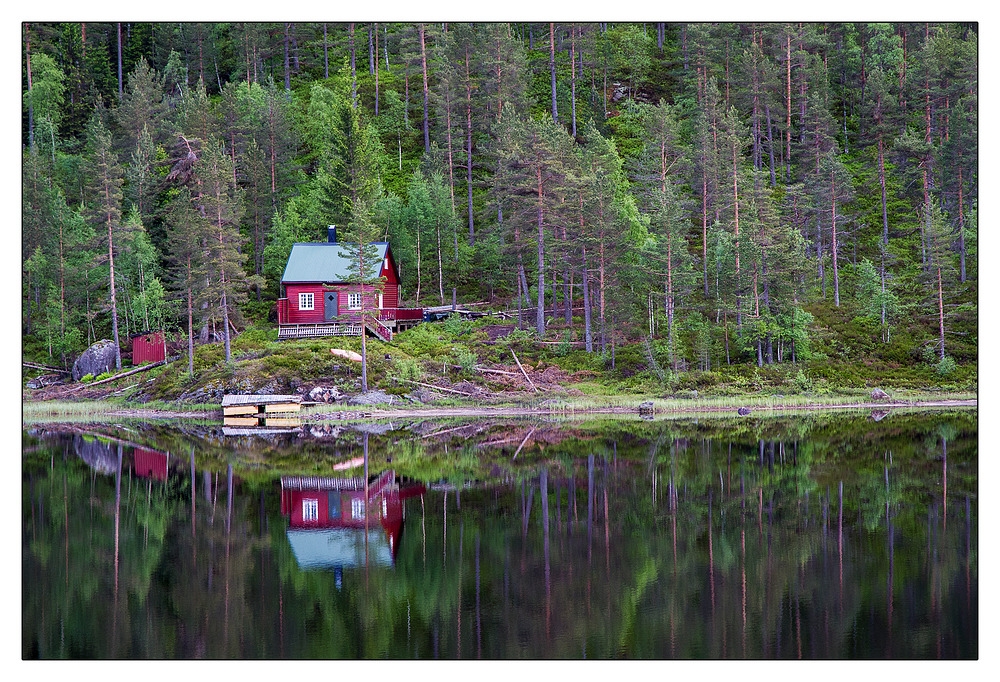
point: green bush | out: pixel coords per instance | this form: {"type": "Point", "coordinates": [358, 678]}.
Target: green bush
{"type": "Point", "coordinates": [408, 368]}
{"type": "Point", "coordinates": [802, 382]}
{"type": "Point", "coordinates": [945, 366]}
{"type": "Point", "coordinates": [87, 378]}
{"type": "Point", "coordinates": [464, 358]}
{"type": "Point", "coordinates": [253, 338]}
{"type": "Point", "coordinates": [424, 340]}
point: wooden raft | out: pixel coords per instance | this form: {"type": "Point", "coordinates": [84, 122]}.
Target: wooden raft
{"type": "Point", "coordinates": [259, 405]}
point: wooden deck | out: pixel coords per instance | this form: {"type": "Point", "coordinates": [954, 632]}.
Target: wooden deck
{"type": "Point", "coordinates": [259, 406]}
{"type": "Point", "coordinates": [305, 331]}
{"type": "Point", "coordinates": [308, 331]}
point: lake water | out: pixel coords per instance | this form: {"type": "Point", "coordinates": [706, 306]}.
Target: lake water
{"type": "Point", "coordinates": [823, 536]}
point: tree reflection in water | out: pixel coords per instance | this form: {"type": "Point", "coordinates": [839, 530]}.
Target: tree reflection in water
{"type": "Point", "coordinates": [717, 542]}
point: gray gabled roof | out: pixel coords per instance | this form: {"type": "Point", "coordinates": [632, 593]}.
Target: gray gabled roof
{"type": "Point", "coordinates": [323, 262]}
{"type": "Point", "coordinates": [331, 547]}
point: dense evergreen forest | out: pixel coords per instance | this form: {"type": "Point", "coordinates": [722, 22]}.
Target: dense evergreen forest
{"type": "Point", "coordinates": [736, 193]}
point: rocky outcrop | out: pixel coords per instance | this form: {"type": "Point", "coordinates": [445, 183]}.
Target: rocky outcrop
{"type": "Point", "coordinates": [96, 360]}
{"type": "Point", "coordinates": [325, 394]}
{"type": "Point", "coordinates": [46, 380]}
{"type": "Point", "coordinates": [880, 395]}
{"type": "Point", "coordinates": [373, 398]}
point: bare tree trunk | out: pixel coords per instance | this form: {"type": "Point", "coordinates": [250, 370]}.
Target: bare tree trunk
{"type": "Point", "coordinates": [552, 69]}
{"type": "Point", "coordinates": [423, 66]}
{"type": "Point", "coordinates": [375, 67]}
{"type": "Point", "coordinates": [417, 299]}
{"type": "Point", "coordinates": [833, 240]}
{"type": "Point", "coordinates": [371, 50]}
{"type": "Point", "coordinates": [121, 90]}
{"type": "Point", "coordinates": [190, 316]}
{"type": "Point", "coordinates": [288, 73]}
{"type": "Point", "coordinates": [468, 144]}
{"type": "Point", "coordinates": [540, 311]}
{"type": "Point", "coordinates": [572, 71]}
{"type": "Point", "coordinates": [940, 313]}
{"type": "Point", "coordinates": [114, 298]}
{"type": "Point", "coordinates": [788, 106]}
{"type": "Point", "coordinates": [354, 73]}
{"type": "Point", "coordinates": [31, 107]}
{"type": "Point", "coordinates": [587, 334]}
{"type": "Point", "coordinates": [326, 55]}
{"type": "Point", "coordinates": [736, 227]}
{"type": "Point", "coordinates": [961, 225]}
{"type": "Point", "coordinates": [437, 227]}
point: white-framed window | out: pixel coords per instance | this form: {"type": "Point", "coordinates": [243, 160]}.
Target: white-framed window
{"type": "Point", "coordinates": [310, 510]}
{"type": "Point", "coordinates": [357, 509]}
{"type": "Point", "coordinates": [307, 301]}
{"type": "Point", "coordinates": [378, 300]}
{"type": "Point", "coordinates": [354, 300]}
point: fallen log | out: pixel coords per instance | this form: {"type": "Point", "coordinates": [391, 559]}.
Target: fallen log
{"type": "Point", "coordinates": [436, 388]}
{"type": "Point", "coordinates": [124, 374]}
{"type": "Point", "coordinates": [488, 370]}
{"type": "Point", "coordinates": [518, 451]}
{"type": "Point", "coordinates": [522, 371]}
{"type": "Point", "coordinates": [47, 368]}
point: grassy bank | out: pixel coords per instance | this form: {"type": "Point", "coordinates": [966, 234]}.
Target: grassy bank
{"type": "Point", "coordinates": [485, 365]}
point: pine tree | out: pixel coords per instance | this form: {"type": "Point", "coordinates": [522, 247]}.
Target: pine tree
{"type": "Point", "coordinates": [104, 207]}
{"type": "Point", "coordinates": [220, 204]}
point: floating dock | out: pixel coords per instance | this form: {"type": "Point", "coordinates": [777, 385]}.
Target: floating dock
{"type": "Point", "coordinates": [259, 406]}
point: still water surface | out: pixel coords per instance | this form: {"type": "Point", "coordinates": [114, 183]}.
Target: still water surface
{"type": "Point", "coordinates": [815, 537]}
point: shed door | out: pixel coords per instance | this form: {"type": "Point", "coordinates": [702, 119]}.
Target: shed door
{"type": "Point", "coordinates": [330, 305]}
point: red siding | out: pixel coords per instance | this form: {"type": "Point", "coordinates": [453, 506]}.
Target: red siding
{"type": "Point", "coordinates": [150, 464]}
{"type": "Point", "coordinates": [304, 316]}
{"type": "Point", "coordinates": [390, 298]}
{"type": "Point", "coordinates": [148, 348]}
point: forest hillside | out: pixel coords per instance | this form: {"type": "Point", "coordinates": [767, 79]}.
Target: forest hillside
{"type": "Point", "coordinates": [697, 197]}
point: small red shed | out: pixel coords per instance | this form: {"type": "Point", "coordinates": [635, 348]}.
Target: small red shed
{"type": "Point", "coordinates": [150, 463]}
{"type": "Point", "coordinates": [148, 347]}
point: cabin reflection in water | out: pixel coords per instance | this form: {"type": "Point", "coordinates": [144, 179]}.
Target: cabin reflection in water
{"type": "Point", "coordinates": [334, 523]}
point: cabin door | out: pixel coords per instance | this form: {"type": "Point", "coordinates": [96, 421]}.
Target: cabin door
{"type": "Point", "coordinates": [330, 305]}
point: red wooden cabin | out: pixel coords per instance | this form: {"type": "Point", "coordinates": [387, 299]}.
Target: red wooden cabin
{"type": "Point", "coordinates": [316, 299]}
{"type": "Point", "coordinates": [332, 522]}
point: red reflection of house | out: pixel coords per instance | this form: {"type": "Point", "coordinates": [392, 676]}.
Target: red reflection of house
{"type": "Point", "coordinates": [334, 523]}
{"type": "Point", "coordinates": [150, 463]}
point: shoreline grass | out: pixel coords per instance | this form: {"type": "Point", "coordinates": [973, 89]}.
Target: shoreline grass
{"type": "Point", "coordinates": [555, 405]}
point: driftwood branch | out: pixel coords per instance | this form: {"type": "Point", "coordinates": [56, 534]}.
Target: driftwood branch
{"type": "Point", "coordinates": [436, 388]}
{"type": "Point", "coordinates": [488, 370]}
{"type": "Point", "coordinates": [522, 371]}
{"type": "Point", "coordinates": [47, 368]}
{"type": "Point", "coordinates": [518, 451]}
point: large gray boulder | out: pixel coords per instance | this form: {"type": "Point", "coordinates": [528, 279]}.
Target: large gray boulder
{"type": "Point", "coordinates": [880, 395]}
{"type": "Point", "coordinates": [99, 456]}
{"type": "Point", "coordinates": [372, 398]}
{"type": "Point", "coordinates": [97, 359]}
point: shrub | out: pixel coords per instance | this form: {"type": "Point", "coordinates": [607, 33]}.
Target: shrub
{"type": "Point", "coordinates": [945, 366]}
{"type": "Point", "coordinates": [253, 338]}
{"type": "Point", "coordinates": [87, 378]}
{"type": "Point", "coordinates": [464, 358]}
{"type": "Point", "coordinates": [408, 368]}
